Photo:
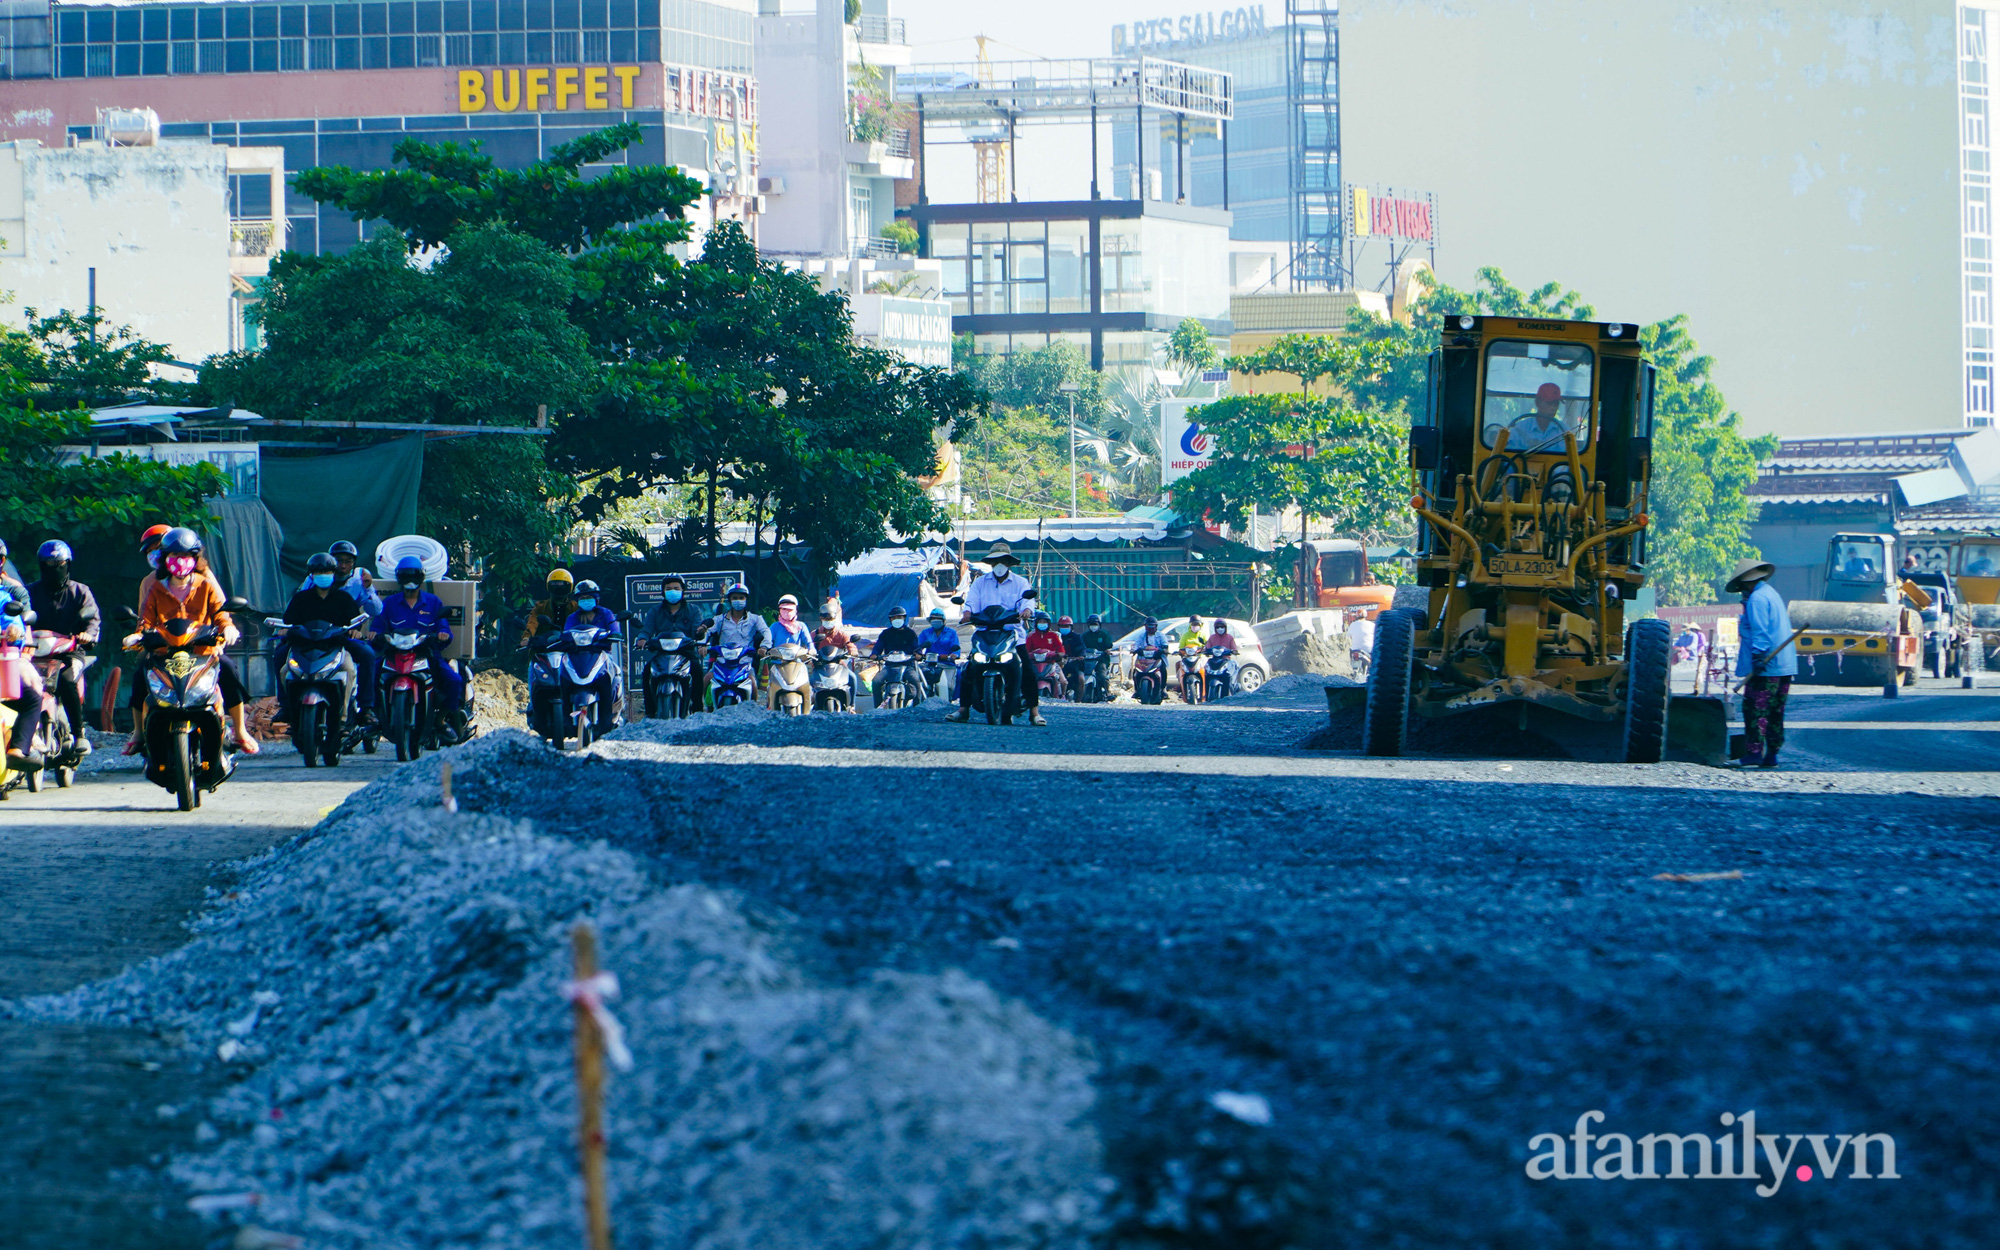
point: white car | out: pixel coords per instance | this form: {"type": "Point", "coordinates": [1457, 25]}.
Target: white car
{"type": "Point", "coordinates": [1252, 669]}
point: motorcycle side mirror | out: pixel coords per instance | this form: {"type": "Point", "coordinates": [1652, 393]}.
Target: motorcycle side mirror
{"type": "Point", "coordinates": [126, 613]}
{"type": "Point", "coordinates": [236, 603]}
{"type": "Point", "coordinates": [1029, 594]}
{"type": "Point", "coordinates": [14, 608]}
{"type": "Point", "coordinates": [959, 600]}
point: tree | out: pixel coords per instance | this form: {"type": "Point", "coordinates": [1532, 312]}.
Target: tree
{"type": "Point", "coordinates": [71, 358]}
{"type": "Point", "coordinates": [1015, 463]}
{"type": "Point", "coordinates": [1021, 466]}
{"type": "Point", "coordinates": [1702, 463]}
{"type": "Point", "coordinates": [1316, 452]}
{"type": "Point", "coordinates": [1190, 347]}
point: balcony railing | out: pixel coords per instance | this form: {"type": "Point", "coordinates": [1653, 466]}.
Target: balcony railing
{"type": "Point", "coordinates": [254, 238]}
{"type": "Point", "coordinates": [898, 144]}
{"type": "Point", "coordinates": [874, 28]}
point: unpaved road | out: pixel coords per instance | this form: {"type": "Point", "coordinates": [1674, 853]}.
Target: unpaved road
{"type": "Point", "coordinates": [1417, 964]}
{"type": "Point", "coordinates": [93, 879]}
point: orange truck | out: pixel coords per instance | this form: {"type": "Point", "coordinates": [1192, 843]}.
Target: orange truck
{"type": "Point", "coordinates": [1337, 569]}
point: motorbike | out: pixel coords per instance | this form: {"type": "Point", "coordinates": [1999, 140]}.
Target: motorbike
{"type": "Point", "coordinates": [791, 679]}
{"type": "Point", "coordinates": [1086, 677]}
{"type": "Point", "coordinates": [934, 669]}
{"type": "Point", "coordinates": [903, 683]}
{"type": "Point", "coordinates": [1192, 686]}
{"type": "Point", "coordinates": [183, 708]}
{"type": "Point", "coordinates": [54, 744]}
{"type": "Point", "coordinates": [577, 658]}
{"type": "Point", "coordinates": [996, 657]}
{"type": "Point", "coordinates": [670, 675]}
{"type": "Point", "coordinates": [731, 676]}
{"type": "Point", "coordinates": [832, 681]}
{"type": "Point", "coordinates": [322, 681]}
{"type": "Point", "coordinates": [1048, 674]}
{"type": "Point", "coordinates": [1149, 674]}
{"type": "Point", "coordinates": [405, 690]}
{"type": "Point", "coordinates": [1219, 684]}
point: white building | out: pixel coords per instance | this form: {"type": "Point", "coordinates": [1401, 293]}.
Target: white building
{"type": "Point", "coordinates": [1976, 31]}
{"type": "Point", "coordinates": [168, 238]}
{"type": "Point", "coordinates": [831, 146]}
{"type": "Point", "coordinates": [898, 303]}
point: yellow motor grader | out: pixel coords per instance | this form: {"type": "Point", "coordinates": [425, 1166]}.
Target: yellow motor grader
{"type": "Point", "coordinates": [1531, 476]}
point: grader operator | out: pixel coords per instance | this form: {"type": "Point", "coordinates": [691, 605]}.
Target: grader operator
{"type": "Point", "coordinates": [1532, 471]}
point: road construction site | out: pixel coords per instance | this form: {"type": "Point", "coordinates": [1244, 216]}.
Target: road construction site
{"type": "Point", "coordinates": [1149, 977]}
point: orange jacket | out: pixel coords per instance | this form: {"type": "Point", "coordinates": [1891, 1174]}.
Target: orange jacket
{"type": "Point", "coordinates": [203, 606]}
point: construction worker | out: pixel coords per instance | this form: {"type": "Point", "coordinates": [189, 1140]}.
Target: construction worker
{"type": "Point", "coordinates": [1767, 661]}
{"type": "Point", "coordinates": [1543, 428]}
{"type": "Point", "coordinates": [550, 613]}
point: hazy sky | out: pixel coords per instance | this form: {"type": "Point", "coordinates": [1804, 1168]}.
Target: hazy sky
{"type": "Point", "coordinates": [1784, 172]}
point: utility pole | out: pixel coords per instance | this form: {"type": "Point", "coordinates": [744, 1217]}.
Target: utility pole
{"type": "Point", "coordinates": [1071, 388]}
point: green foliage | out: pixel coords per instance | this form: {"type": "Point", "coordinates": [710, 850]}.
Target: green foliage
{"type": "Point", "coordinates": [495, 497]}
{"type": "Point", "coordinates": [81, 358]}
{"type": "Point", "coordinates": [1191, 349]}
{"type": "Point", "coordinates": [1016, 464]}
{"type": "Point", "coordinates": [482, 335]}
{"type": "Point", "coordinates": [1702, 462]}
{"type": "Point", "coordinates": [444, 188]}
{"type": "Point", "coordinates": [903, 235]}
{"type": "Point", "coordinates": [111, 496]}
{"type": "Point", "coordinates": [1020, 466]}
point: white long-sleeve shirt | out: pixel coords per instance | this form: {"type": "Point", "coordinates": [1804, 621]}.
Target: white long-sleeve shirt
{"type": "Point", "coordinates": [988, 591]}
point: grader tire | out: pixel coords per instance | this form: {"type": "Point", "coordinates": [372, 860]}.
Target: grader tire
{"type": "Point", "coordinates": [1386, 727]}
{"type": "Point", "coordinates": [1649, 657]}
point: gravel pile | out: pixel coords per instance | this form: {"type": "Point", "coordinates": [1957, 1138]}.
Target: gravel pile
{"type": "Point", "coordinates": [385, 990]}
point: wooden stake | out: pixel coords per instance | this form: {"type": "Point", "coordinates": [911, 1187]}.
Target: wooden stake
{"type": "Point", "coordinates": [590, 1099]}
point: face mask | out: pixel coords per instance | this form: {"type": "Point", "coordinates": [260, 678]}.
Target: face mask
{"type": "Point", "coordinates": [788, 614]}
{"type": "Point", "coordinates": [179, 566]}
{"type": "Point", "coordinates": [898, 622]}
{"type": "Point", "coordinates": [56, 574]}
{"type": "Point", "coordinates": [737, 605]}
{"type": "Point", "coordinates": [323, 580]}
{"type": "Point", "coordinates": [411, 584]}
{"type": "Point", "coordinates": [557, 591]}
{"type": "Point", "coordinates": [672, 596]}
{"type": "Point", "coordinates": [999, 572]}
{"type": "Point", "coordinates": [1064, 631]}
{"type": "Point", "coordinates": [585, 605]}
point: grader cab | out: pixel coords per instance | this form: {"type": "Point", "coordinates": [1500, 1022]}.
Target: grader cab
{"type": "Point", "coordinates": [1532, 471]}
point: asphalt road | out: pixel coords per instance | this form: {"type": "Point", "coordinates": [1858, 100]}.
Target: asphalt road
{"type": "Point", "coordinates": [94, 879]}
{"type": "Point", "coordinates": [1416, 965]}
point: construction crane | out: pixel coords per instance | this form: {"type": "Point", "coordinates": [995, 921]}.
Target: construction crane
{"type": "Point", "coordinates": [993, 152]}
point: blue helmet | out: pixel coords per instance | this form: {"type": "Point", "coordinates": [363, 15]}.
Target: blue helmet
{"type": "Point", "coordinates": [55, 549]}
{"type": "Point", "coordinates": [410, 571]}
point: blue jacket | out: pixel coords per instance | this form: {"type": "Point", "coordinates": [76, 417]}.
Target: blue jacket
{"type": "Point", "coordinates": [397, 616]}
{"type": "Point", "coordinates": [599, 617]}
{"type": "Point", "coordinates": [1765, 626]}
{"type": "Point", "coordinates": [939, 640]}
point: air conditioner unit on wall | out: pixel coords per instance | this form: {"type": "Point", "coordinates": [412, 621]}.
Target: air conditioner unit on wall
{"type": "Point", "coordinates": [771, 184]}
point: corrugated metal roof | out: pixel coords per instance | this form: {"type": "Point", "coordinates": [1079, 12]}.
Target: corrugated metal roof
{"type": "Point", "coordinates": [1844, 497]}
{"type": "Point", "coordinates": [1785, 464]}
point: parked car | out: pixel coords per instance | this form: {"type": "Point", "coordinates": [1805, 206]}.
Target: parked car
{"type": "Point", "coordinates": [1252, 669]}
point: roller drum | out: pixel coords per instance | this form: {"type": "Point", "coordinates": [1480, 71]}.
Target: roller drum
{"type": "Point", "coordinates": [1854, 668]}
{"type": "Point", "coordinates": [1856, 618]}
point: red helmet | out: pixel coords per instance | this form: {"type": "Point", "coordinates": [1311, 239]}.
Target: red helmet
{"type": "Point", "coordinates": [1065, 622]}
{"type": "Point", "coordinates": [151, 538]}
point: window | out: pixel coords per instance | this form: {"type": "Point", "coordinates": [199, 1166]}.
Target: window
{"type": "Point", "coordinates": [321, 53]}
{"type": "Point", "coordinates": [264, 21]}
{"type": "Point", "coordinates": [264, 56]}
{"type": "Point", "coordinates": [402, 18]}
{"type": "Point", "coordinates": [319, 20]}
{"type": "Point", "coordinates": [538, 47]}
{"type": "Point", "coordinates": [1537, 392]}
{"type": "Point", "coordinates": [1856, 560]}
{"type": "Point", "coordinates": [184, 61]}
{"type": "Point", "coordinates": [596, 46]}
{"type": "Point", "coordinates": [457, 16]}
{"type": "Point", "coordinates": [1978, 301]}
{"type": "Point", "coordinates": [375, 52]}
{"type": "Point", "coordinates": [180, 24]}
{"type": "Point", "coordinates": [374, 19]}
{"type": "Point", "coordinates": [97, 22]}
{"type": "Point", "coordinates": [1977, 219]}
{"type": "Point", "coordinates": [211, 23]}
{"type": "Point", "coordinates": [566, 47]}
{"type": "Point", "coordinates": [211, 56]}
{"type": "Point", "coordinates": [237, 58]}
{"type": "Point", "coordinates": [292, 21]}
{"type": "Point", "coordinates": [402, 51]}
{"type": "Point", "coordinates": [458, 49]}
{"type": "Point", "coordinates": [155, 60]}
{"type": "Point", "coordinates": [861, 209]}
{"type": "Point", "coordinates": [1979, 389]}
{"type": "Point", "coordinates": [347, 19]}
{"type": "Point", "coordinates": [347, 54]}
{"type": "Point", "coordinates": [125, 60]}
{"type": "Point", "coordinates": [429, 50]}
{"type": "Point", "coordinates": [291, 54]}
{"type": "Point", "coordinates": [236, 21]}
{"type": "Point", "coordinates": [513, 48]}
{"type": "Point", "coordinates": [1975, 122]}
{"type": "Point", "coordinates": [128, 25]}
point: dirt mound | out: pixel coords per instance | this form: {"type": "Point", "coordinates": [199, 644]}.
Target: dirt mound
{"type": "Point", "coordinates": [1310, 653]}
{"type": "Point", "coordinates": [499, 700]}
{"type": "Point", "coordinates": [385, 993]}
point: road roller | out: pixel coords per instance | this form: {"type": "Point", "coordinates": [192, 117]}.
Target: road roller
{"type": "Point", "coordinates": [1530, 471]}
{"type": "Point", "coordinates": [1869, 629]}
{"type": "Point", "coordinates": [1976, 570]}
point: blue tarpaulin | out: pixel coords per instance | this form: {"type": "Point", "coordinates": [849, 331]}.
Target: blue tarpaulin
{"type": "Point", "coordinates": [887, 577]}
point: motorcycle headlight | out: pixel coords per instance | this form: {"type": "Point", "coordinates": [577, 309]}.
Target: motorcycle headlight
{"type": "Point", "coordinates": [291, 665]}
{"type": "Point", "coordinates": [157, 683]}
{"type": "Point", "coordinates": [1004, 657]}
{"type": "Point", "coordinates": [202, 688]}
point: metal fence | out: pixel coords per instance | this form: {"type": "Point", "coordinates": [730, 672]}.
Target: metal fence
{"type": "Point", "coordinates": [1123, 585]}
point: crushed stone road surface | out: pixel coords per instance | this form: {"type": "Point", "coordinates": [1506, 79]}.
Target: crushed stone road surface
{"type": "Point", "coordinates": [1331, 999]}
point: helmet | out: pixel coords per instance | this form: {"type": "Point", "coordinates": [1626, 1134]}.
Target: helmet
{"type": "Point", "coordinates": [1063, 622]}
{"type": "Point", "coordinates": [320, 562]}
{"type": "Point", "coordinates": [1152, 622]}
{"type": "Point", "coordinates": [344, 549]}
{"type": "Point", "coordinates": [1221, 625]}
{"type": "Point", "coordinates": [937, 614]}
{"type": "Point", "coordinates": [1093, 619]}
{"type": "Point", "coordinates": [673, 579]}
{"type": "Point", "coordinates": [584, 587]}
{"type": "Point", "coordinates": [1041, 618]}
{"type": "Point", "coordinates": [410, 570]}
{"type": "Point", "coordinates": [180, 541]}
{"type": "Point", "coordinates": [560, 577]}
{"type": "Point", "coordinates": [151, 538]}
{"type": "Point", "coordinates": [737, 588]}
{"type": "Point", "coordinates": [783, 600]}
{"type": "Point", "coordinates": [55, 549]}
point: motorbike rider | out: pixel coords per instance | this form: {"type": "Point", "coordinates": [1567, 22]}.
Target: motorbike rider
{"type": "Point", "coordinates": [940, 642]}
{"type": "Point", "coordinates": [1090, 638]}
{"type": "Point", "coordinates": [789, 631]}
{"type": "Point", "coordinates": [352, 578]}
{"type": "Point", "coordinates": [592, 614]}
{"type": "Point", "coordinates": [1045, 638]}
{"type": "Point", "coordinates": [739, 626]}
{"type": "Point", "coordinates": [323, 602]}
{"type": "Point", "coordinates": [1190, 637]}
{"type": "Point", "coordinates": [415, 611]}
{"type": "Point", "coordinates": [14, 628]}
{"type": "Point", "coordinates": [898, 637]}
{"type": "Point", "coordinates": [188, 590]}
{"type": "Point", "coordinates": [549, 614]}
{"type": "Point", "coordinates": [1221, 637]}
{"type": "Point", "coordinates": [830, 634]}
{"type": "Point", "coordinates": [673, 614]}
{"type": "Point", "coordinates": [66, 607]}
{"type": "Point", "coordinates": [1001, 588]}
